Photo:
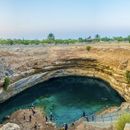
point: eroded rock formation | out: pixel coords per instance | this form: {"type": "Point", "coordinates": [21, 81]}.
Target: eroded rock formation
{"type": "Point", "coordinates": [34, 65]}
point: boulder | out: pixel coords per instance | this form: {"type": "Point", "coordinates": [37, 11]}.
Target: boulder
{"type": "Point", "coordinates": [10, 126]}
{"type": "Point", "coordinates": [127, 126]}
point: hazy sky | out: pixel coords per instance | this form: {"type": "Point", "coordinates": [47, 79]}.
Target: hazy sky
{"type": "Point", "coordinates": [65, 18]}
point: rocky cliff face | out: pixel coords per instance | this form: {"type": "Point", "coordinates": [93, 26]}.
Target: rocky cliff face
{"type": "Point", "coordinates": [37, 65]}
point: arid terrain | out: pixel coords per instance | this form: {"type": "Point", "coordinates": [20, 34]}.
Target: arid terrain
{"type": "Point", "coordinates": [22, 58]}
{"type": "Point", "coordinates": [25, 64]}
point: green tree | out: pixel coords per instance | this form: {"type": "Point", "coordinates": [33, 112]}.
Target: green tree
{"type": "Point", "coordinates": [128, 38]}
{"type": "Point", "coordinates": [6, 83]}
{"type": "Point", "coordinates": [9, 41]}
{"type": "Point", "coordinates": [51, 36]}
{"type": "Point", "coordinates": [80, 39]}
{"type": "Point", "coordinates": [89, 39]}
{"type": "Point", "coordinates": [119, 39]}
{"type": "Point", "coordinates": [97, 38]}
{"type": "Point", "coordinates": [105, 39]}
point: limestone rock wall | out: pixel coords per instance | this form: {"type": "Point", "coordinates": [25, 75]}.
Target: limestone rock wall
{"type": "Point", "coordinates": [74, 66]}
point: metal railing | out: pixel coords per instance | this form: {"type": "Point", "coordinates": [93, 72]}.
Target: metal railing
{"type": "Point", "coordinates": [106, 117]}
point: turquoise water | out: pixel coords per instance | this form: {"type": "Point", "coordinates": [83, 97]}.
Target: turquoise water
{"type": "Point", "coordinates": [65, 97]}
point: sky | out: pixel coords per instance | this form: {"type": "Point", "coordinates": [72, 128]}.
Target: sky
{"type": "Point", "coordinates": [34, 19]}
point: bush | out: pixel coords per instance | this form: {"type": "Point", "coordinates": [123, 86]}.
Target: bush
{"type": "Point", "coordinates": [125, 118]}
{"type": "Point", "coordinates": [6, 83]}
{"type": "Point", "coordinates": [128, 76]}
{"type": "Point", "coordinates": [88, 48]}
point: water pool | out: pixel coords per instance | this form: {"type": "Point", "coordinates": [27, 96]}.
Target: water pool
{"type": "Point", "coordinates": [65, 97]}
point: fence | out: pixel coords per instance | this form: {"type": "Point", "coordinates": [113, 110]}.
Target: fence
{"type": "Point", "coordinates": [107, 117]}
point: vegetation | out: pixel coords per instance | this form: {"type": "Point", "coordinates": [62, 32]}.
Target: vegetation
{"type": "Point", "coordinates": [128, 38]}
{"type": "Point", "coordinates": [97, 38]}
{"type": "Point", "coordinates": [88, 48]}
{"type": "Point", "coordinates": [6, 83]}
{"type": "Point", "coordinates": [125, 118]}
{"type": "Point", "coordinates": [128, 76]}
{"type": "Point", "coordinates": [51, 36]}
{"type": "Point", "coordinates": [52, 40]}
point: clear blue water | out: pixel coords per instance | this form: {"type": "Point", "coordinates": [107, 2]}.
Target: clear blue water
{"type": "Point", "coordinates": [65, 97]}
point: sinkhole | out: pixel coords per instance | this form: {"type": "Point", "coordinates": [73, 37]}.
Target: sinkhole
{"type": "Point", "coordinates": [65, 97]}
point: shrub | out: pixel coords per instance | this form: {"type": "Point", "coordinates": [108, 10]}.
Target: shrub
{"type": "Point", "coordinates": [125, 118]}
{"type": "Point", "coordinates": [128, 76]}
{"type": "Point", "coordinates": [88, 48]}
{"type": "Point", "coordinates": [6, 83]}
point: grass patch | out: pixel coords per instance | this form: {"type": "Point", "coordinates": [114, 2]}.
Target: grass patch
{"type": "Point", "coordinates": [125, 118]}
{"type": "Point", "coordinates": [128, 76]}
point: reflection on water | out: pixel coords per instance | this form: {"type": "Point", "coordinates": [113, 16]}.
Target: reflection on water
{"type": "Point", "coordinates": [65, 97]}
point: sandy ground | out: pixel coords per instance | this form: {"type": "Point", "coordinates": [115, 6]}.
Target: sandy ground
{"type": "Point", "coordinates": [22, 58]}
